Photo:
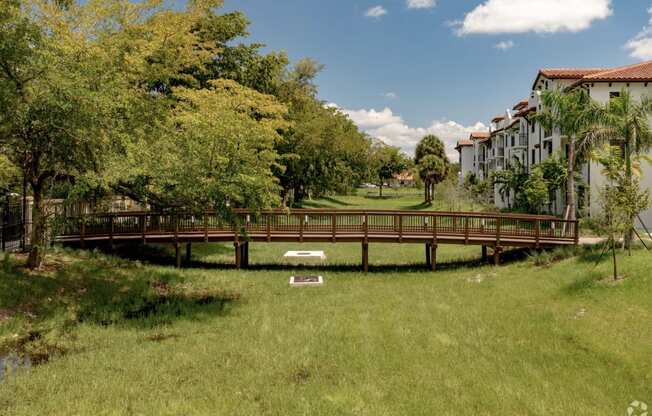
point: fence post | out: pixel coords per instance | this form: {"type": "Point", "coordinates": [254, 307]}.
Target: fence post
{"type": "Point", "coordinates": [466, 230]}
{"type": "Point", "coordinates": [334, 226]}
{"type": "Point", "coordinates": [268, 227]}
{"type": "Point", "coordinates": [538, 232]}
{"type": "Point", "coordinates": [400, 228]}
{"type": "Point", "coordinates": [301, 228]}
{"type": "Point", "coordinates": [3, 228]}
{"type": "Point", "coordinates": [205, 227]}
{"type": "Point", "coordinates": [577, 232]}
{"type": "Point", "coordinates": [82, 231]}
{"type": "Point", "coordinates": [111, 232]}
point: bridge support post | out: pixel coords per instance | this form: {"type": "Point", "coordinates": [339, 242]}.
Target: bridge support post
{"type": "Point", "coordinates": [484, 253]}
{"type": "Point", "coordinates": [428, 255]}
{"type": "Point", "coordinates": [177, 255]}
{"type": "Point", "coordinates": [238, 255]}
{"type": "Point", "coordinates": [245, 255]}
{"type": "Point", "coordinates": [188, 253]}
{"type": "Point", "coordinates": [497, 251]}
{"type": "Point", "coordinates": [433, 257]}
{"type": "Point", "coordinates": [365, 257]}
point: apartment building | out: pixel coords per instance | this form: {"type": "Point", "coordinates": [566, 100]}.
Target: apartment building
{"type": "Point", "coordinates": [515, 137]}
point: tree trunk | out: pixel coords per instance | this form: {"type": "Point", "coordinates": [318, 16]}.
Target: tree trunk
{"type": "Point", "coordinates": [381, 190]}
{"type": "Point", "coordinates": [629, 234]}
{"type": "Point", "coordinates": [39, 229]}
{"type": "Point", "coordinates": [613, 254]}
{"type": "Point", "coordinates": [571, 203]}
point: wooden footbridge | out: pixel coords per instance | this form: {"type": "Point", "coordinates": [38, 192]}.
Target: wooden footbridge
{"type": "Point", "coordinates": [320, 225]}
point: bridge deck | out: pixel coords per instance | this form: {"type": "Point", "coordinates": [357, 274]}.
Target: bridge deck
{"type": "Point", "coordinates": [363, 226]}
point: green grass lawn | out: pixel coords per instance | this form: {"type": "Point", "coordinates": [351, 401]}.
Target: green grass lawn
{"type": "Point", "coordinates": [114, 336]}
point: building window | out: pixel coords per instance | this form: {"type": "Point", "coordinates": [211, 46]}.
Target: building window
{"type": "Point", "coordinates": [513, 141]}
{"type": "Point", "coordinates": [533, 127]}
{"type": "Point", "coordinates": [614, 94]}
{"type": "Point", "coordinates": [534, 156]}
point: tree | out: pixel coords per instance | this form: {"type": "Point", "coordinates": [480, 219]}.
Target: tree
{"type": "Point", "coordinates": [571, 114]}
{"type": "Point", "coordinates": [323, 151]}
{"type": "Point", "coordinates": [536, 190]}
{"type": "Point", "coordinates": [386, 162]}
{"type": "Point", "coordinates": [201, 161]}
{"type": "Point", "coordinates": [510, 183]}
{"type": "Point", "coordinates": [621, 198]}
{"type": "Point", "coordinates": [59, 100]}
{"type": "Point", "coordinates": [432, 164]}
{"type": "Point", "coordinates": [626, 121]}
{"type": "Point", "coordinates": [84, 84]}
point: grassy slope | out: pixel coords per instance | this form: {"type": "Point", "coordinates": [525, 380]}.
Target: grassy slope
{"type": "Point", "coordinates": [518, 339]}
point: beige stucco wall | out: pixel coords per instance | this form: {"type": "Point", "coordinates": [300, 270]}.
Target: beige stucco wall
{"type": "Point", "coordinates": [601, 92]}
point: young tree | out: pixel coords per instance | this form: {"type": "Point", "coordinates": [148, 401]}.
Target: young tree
{"type": "Point", "coordinates": [386, 161]}
{"type": "Point", "coordinates": [621, 198]}
{"type": "Point", "coordinates": [432, 164]}
{"type": "Point", "coordinates": [571, 114]}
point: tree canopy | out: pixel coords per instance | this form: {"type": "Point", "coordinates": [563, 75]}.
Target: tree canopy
{"type": "Point", "coordinates": [170, 107]}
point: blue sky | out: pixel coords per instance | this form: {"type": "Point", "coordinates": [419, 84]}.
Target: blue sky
{"type": "Point", "coordinates": [402, 68]}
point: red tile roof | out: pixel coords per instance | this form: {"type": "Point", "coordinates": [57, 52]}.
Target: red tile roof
{"type": "Point", "coordinates": [637, 72]}
{"type": "Point", "coordinates": [497, 118]}
{"type": "Point", "coordinates": [526, 111]}
{"type": "Point", "coordinates": [522, 104]}
{"type": "Point", "coordinates": [569, 73]}
{"type": "Point", "coordinates": [479, 135]}
{"type": "Point", "coordinates": [465, 143]}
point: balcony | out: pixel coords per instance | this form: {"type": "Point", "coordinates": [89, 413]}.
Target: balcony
{"type": "Point", "coordinates": [500, 152]}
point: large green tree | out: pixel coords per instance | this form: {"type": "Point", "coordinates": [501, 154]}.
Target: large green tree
{"type": "Point", "coordinates": [432, 164]}
{"type": "Point", "coordinates": [60, 99]}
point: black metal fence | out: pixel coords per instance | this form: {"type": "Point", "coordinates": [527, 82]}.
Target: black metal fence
{"type": "Point", "coordinates": [12, 227]}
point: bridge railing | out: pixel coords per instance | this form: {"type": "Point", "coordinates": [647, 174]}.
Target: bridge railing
{"type": "Point", "coordinates": [326, 222]}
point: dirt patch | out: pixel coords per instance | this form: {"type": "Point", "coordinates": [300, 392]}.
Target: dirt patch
{"type": "Point", "coordinates": [6, 314]}
{"type": "Point", "coordinates": [301, 376]}
{"type": "Point", "coordinates": [161, 337]}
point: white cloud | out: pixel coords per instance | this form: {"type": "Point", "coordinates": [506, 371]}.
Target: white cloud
{"type": "Point", "coordinates": [505, 45]}
{"type": "Point", "coordinates": [640, 47]}
{"type": "Point", "coordinates": [540, 16]}
{"type": "Point", "coordinates": [391, 95]}
{"type": "Point", "coordinates": [421, 4]}
{"type": "Point", "coordinates": [376, 12]}
{"type": "Point", "coordinates": [392, 129]}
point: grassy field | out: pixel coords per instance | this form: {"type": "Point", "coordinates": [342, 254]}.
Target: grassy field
{"type": "Point", "coordinates": [107, 335]}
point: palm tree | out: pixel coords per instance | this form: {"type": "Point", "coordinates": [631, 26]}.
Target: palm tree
{"type": "Point", "coordinates": [625, 122]}
{"type": "Point", "coordinates": [572, 114]}
{"type": "Point", "coordinates": [432, 163]}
